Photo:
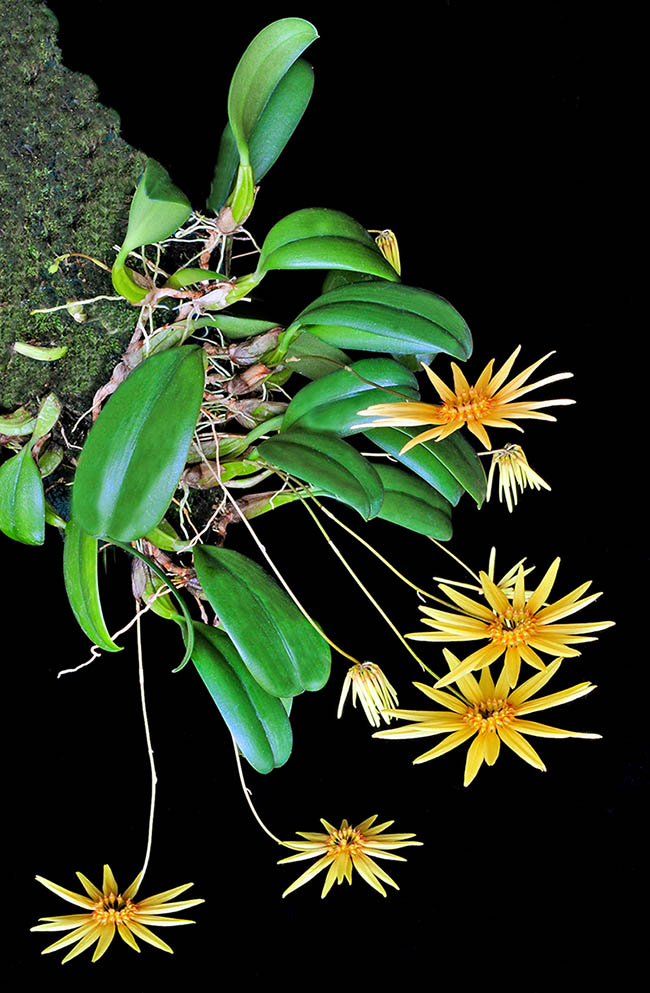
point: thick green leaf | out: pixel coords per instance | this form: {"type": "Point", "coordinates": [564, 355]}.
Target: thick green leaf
{"type": "Point", "coordinates": [257, 721]}
{"type": "Point", "coordinates": [22, 501]}
{"type": "Point", "coordinates": [192, 274]}
{"type": "Point", "coordinates": [39, 352]}
{"type": "Point", "coordinates": [157, 210]}
{"type": "Point", "coordinates": [271, 133]}
{"type": "Point", "coordinates": [314, 358]}
{"type": "Point", "coordinates": [331, 405]}
{"type": "Point", "coordinates": [450, 465]}
{"type": "Point", "coordinates": [48, 414]}
{"type": "Point", "coordinates": [81, 585]}
{"type": "Point", "coordinates": [234, 328]}
{"type": "Point", "coordinates": [135, 452]}
{"type": "Point", "coordinates": [265, 62]}
{"type": "Point", "coordinates": [282, 650]}
{"type": "Point", "coordinates": [379, 316]}
{"type": "Point", "coordinates": [319, 238]}
{"type": "Point", "coordinates": [328, 463]}
{"type": "Point", "coordinates": [411, 503]}
{"type": "Point", "coordinates": [18, 423]}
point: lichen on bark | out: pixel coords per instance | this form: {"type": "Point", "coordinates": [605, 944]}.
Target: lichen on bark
{"type": "Point", "coordinates": [66, 181]}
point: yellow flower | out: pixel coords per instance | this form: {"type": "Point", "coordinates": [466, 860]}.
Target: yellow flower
{"type": "Point", "coordinates": [370, 685]}
{"type": "Point", "coordinates": [506, 584]}
{"type": "Point", "coordinates": [519, 627]}
{"type": "Point", "coordinates": [488, 403]}
{"type": "Point", "coordinates": [347, 848]}
{"type": "Point", "coordinates": [490, 714]}
{"type": "Point", "coordinates": [107, 910]}
{"type": "Point", "coordinates": [514, 472]}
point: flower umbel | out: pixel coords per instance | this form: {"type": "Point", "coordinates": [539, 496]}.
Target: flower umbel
{"type": "Point", "coordinates": [514, 472]}
{"type": "Point", "coordinates": [486, 404]}
{"type": "Point", "coordinates": [520, 626]}
{"type": "Point", "coordinates": [106, 910]}
{"type": "Point", "coordinates": [346, 848]}
{"type": "Point", "coordinates": [370, 685]}
{"type": "Point", "coordinates": [490, 714]}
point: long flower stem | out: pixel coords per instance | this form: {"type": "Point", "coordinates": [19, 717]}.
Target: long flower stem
{"type": "Point", "coordinates": [359, 583]}
{"type": "Point", "coordinates": [154, 778]}
{"type": "Point", "coordinates": [282, 580]}
{"type": "Point", "coordinates": [377, 554]}
{"type": "Point", "coordinates": [247, 794]}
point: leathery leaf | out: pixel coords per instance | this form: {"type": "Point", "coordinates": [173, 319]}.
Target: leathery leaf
{"type": "Point", "coordinates": [330, 405]}
{"type": "Point", "coordinates": [450, 465]}
{"type": "Point", "coordinates": [135, 452]}
{"type": "Point", "coordinates": [81, 586]}
{"type": "Point", "coordinates": [411, 503]}
{"type": "Point", "coordinates": [22, 500]}
{"type": "Point", "coordinates": [257, 721]}
{"type": "Point", "coordinates": [320, 238]}
{"type": "Point", "coordinates": [328, 463]}
{"type": "Point", "coordinates": [279, 646]}
{"type": "Point", "coordinates": [378, 316]}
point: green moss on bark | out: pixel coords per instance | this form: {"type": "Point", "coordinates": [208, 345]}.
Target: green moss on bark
{"type": "Point", "coordinates": [66, 180]}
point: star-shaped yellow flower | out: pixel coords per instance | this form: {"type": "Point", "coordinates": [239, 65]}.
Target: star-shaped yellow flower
{"type": "Point", "coordinates": [488, 713]}
{"type": "Point", "coordinates": [519, 627]}
{"type": "Point", "coordinates": [486, 404]}
{"type": "Point", "coordinates": [346, 848]}
{"type": "Point", "coordinates": [108, 910]}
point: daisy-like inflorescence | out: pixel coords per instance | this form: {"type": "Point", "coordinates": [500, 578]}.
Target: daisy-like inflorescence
{"type": "Point", "coordinates": [514, 472]}
{"type": "Point", "coordinates": [486, 404]}
{"type": "Point", "coordinates": [517, 626]}
{"type": "Point", "coordinates": [489, 714]}
{"type": "Point", "coordinates": [370, 685]}
{"type": "Point", "coordinates": [107, 910]}
{"type": "Point", "coordinates": [346, 848]}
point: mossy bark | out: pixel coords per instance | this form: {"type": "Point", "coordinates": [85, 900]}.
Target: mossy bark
{"type": "Point", "coordinates": [66, 180]}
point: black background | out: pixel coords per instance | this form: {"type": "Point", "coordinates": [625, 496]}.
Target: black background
{"type": "Point", "coordinates": [496, 144]}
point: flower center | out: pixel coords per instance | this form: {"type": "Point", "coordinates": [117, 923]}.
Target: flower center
{"type": "Point", "coordinates": [489, 714]}
{"type": "Point", "coordinates": [468, 406]}
{"type": "Point", "coordinates": [512, 628]}
{"type": "Point", "coordinates": [113, 910]}
{"type": "Point", "coordinates": [345, 839]}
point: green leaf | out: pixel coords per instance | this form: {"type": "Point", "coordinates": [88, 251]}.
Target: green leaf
{"type": "Point", "coordinates": [450, 465]}
{"type": "Point", "coordinates": [279, 646]}
{"type": "Point", "coordinates": [314, 358]}
{"type": "Point", "coordinates": [81, 585]}
{"type": "Point", "coordinates": [48, 414]}
{"type": "Point", "coordinates": [265, 62]}
{"type": "Point", "coordinates": [379, 316]}
{"type": "Point", "coordinates": [190, 275]}
{"type": "Point", "coordinates": [39, 352]}
{"type": "Point", "coordinates": [257, 721]}
{"type": "Point", "coordinates": [164, 536]}
{"type": "Point", "coordinates": [22, 501]}
{"type": "Point", "coordinates": [331, 405]}
{"type": "Point", "coordinates": [272, 131]}
{"type": "Point", "coordinates": [328, 463]}
{"type": "Point", "coordinates": [136, 450]}
{"type": "Point", "coordinates": [319, 238]}
{"type": "Point", "coordinates": [158, 209]}
{"type": "Point", "coordinates": [235, 328]}
{"type": "Point", "coordinates": [17, 423]}
{"type": "Point", "coordinates": [411, 503]}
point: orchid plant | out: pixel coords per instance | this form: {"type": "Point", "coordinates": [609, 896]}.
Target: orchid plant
{"type": "Point", "coordinates": [207, 404]}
